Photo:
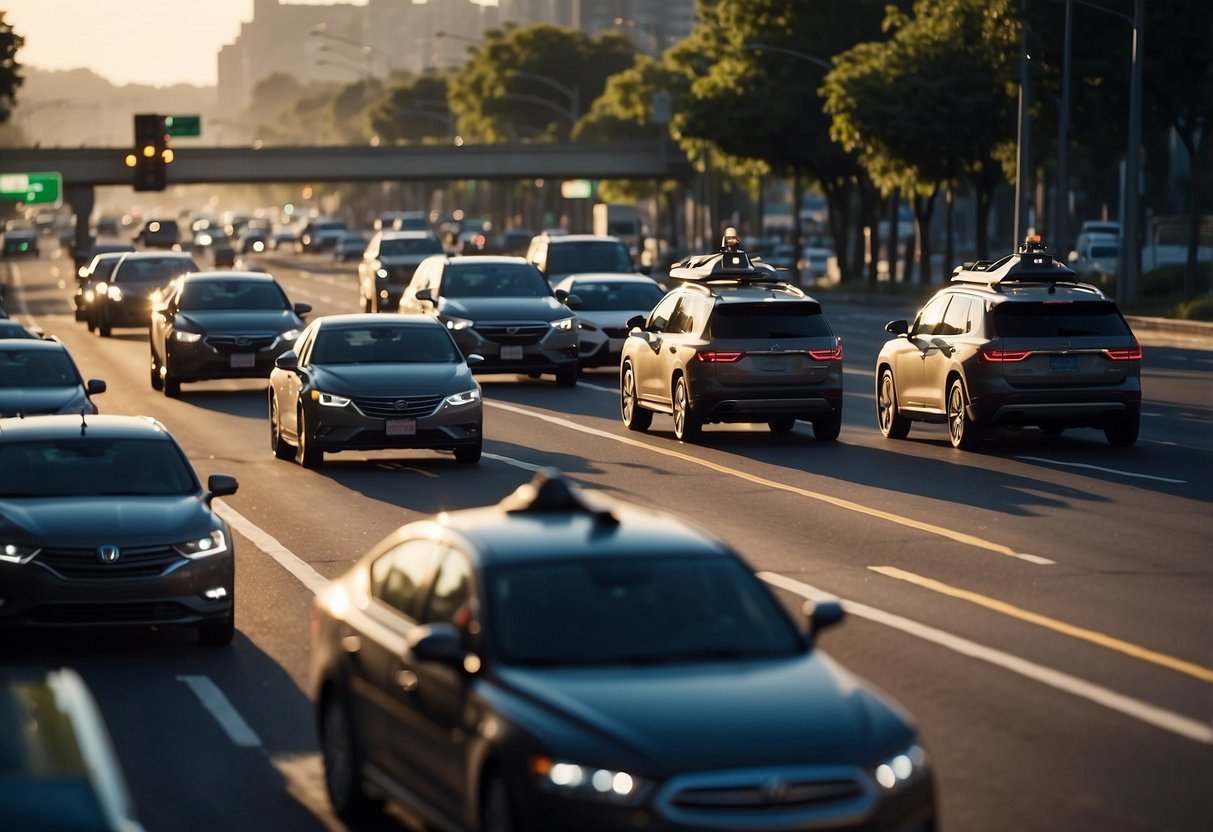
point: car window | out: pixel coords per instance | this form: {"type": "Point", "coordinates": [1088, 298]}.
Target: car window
{"type": "Point", "coordinates": [37, 368]}
{"type": "Point", "coordinates": [85, 466]}
{"type": "Point", "coordinates": [931, 317]}
{"type": "Point", "coordinates": [403, 247]}
{"type": "Point", "coordinates": [152, 269]}
{"type": "Point", "coordinates": [588, 256]}
{"type": "Point", "coordinates": [232, 294]}
{"type": "Point", "coordinates": [659, 318]}
{"type": "Point", "coordinates": [802, 319]}
{"type": "Point", "coordinates": [398, 576]}
{"type": "Point", "coordinates": [682, 319]}
{"type": "Point", "coordinates": [956, 319]}
{"type": "Point", "coordinates": [450, 601]}
{"type": "Point", "coordinates": [385, 345]}
{"type": "Point", "coordinates": [499, 280]}
{"type": "Point", "coordinates": [1058, 320]}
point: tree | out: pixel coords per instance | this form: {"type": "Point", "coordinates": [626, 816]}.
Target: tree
{"type": "Point", "coordinates": [414, 112]}
{"type": "Point", "coordinates": [10, 70]}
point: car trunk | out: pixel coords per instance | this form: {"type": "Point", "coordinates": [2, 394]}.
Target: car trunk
{"type": "Point", "coordinates": [1061, 343]}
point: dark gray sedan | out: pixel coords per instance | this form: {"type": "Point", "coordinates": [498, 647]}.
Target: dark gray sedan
{"type": "Point", "coordinates": [39, 377]}
{"type": "Point", "coordinates": [373, 382]}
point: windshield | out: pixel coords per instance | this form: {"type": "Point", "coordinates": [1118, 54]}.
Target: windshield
{"type": "Point", "coordinates": [232, 294]}
{"type": "Point", "coordinates": [37, 368]}
{"type": "Point", "coordinates": [634, 609]}
{"type": "Point", "coordinates": [496, 280]}
{"type": "Point", "coordinates": [85, 467]}
{"type": "Point", "coordinates": [403, 247]}
{"type": "Point", "coordinates": [802, 319]}
{"type": "Point", "coordinates": [588, 256]}
{"type": "Point", "coordinates": [600, 296]}
{"type": "Point", "coordinates": [385, 345]}
{"type": "Point", "coordinates": [1058, 320]}
{"type": "Point", "coordinates": [153, 270]}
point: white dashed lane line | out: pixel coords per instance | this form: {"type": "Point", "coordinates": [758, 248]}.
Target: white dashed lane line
{"type": "Point", "coordinates": [1115, 471]}
{"type": "Point", "coordinates": [208, 693]}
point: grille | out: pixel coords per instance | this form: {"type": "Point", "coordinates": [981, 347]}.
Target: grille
{"type": "Point", "coordinates": [794, 797]}
{"type": "Point", "coordinates": [232, 343]}
{"type": "Point", "coordinates": [135, 562]}
{"type": "Point", "coordinates": [616, 331]}
{"type": "Point", "coordinates": [384, 407]}
{"type": "Point", "coordinates": [763, 798]}
{"type": "Point", "coordinates": [117, 613]}
{"type": "Point", "coordinates": [524, 334]}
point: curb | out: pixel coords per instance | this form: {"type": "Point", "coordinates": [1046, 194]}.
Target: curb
{"type": "Point", "coordinates": [1171, 326]}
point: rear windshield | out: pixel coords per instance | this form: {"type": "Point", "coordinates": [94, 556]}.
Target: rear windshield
{"type": "Point", "coordinates": [1058, 320]}
{"type": "Point", "coordinates": [84, 466]}
{"type": "Point", "coordinates": [769, 320]}
{"type": "Point", "coordinates": [590, 256]}
{"type": "Point", "coordinates": [153, 270]}
{"type": "Point", "coordinates": [401, 248]}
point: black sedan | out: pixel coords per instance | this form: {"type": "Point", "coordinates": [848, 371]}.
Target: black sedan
{"type": "Point", "coordinates": [211, 325]}
{"type": "Point", "coordinates": [562, 662]}
{"type": "Point", "coordinates": [103, 522]}
{"type": "Point", "coordinates": [39, 377]}
{"type": "Point", "coordinates": [366, 382]}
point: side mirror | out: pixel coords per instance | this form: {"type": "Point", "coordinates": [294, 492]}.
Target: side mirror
{"type": "Point", "coordinates": [95, 386]}
{"type": "Point", "coordinates": [820, 615]}
{"type": "Point", "coordinates": [302, 309]}
{"type": "Point", "coordinates": [897, 327]}
{"type": "Point", "coordinates": [426, 295]}
{"type": "Point", "coordinates": [289, 360]}
{"type": "Point", "coordinates": [573, 302]}
{"type": "Point", "coordinates": [221, 485]}
{"type": "Point", "coordinates": [635, 322]}
{"type": "Point", "coordinates": [474, 358]}
{"type": "Point", "coordinates": [437, 642]}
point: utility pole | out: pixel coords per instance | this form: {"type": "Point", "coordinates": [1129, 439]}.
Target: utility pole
{"type": "Point", "coordinates": [1023, 166]}
{"type": "Point", "coordinates": [1129, 252]}
{"type": "Point", "coordinates": [1061, 208]}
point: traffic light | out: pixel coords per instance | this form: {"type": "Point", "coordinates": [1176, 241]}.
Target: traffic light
{"type": "Point", "coordinates": [151, 153]}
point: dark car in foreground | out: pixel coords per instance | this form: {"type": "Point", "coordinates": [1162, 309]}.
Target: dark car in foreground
{"type": "Point", "coordinates": [210, 325]}
{"type": "Point", "coordinates": [370, 382]}
{"type": "Point", "coordinates": [123, 300]}
{"type": "Point", "coordinates": [103, 522]}
{"type": "Point", "coordinates": [1011, 343]}
{"type": "Point", "coordinates": [40, 377]}
{"type": "Point", "coordinates": [564, 662]}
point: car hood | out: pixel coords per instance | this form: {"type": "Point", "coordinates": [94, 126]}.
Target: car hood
{"type": "Point", "coordinates": [92, 521]}
{"type": "Point", "coordinates": [34, 400]}
{"type": "Point", "coordinates": [505, 309]}
{"type": "Point", "coordinates": [804, 710]}
{"type": "Point", "coordinates": [393, 379]}
{"type": "Point", "coordinates": [240, 320]}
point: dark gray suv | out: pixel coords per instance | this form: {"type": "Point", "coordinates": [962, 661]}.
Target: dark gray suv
{"type": "Point", "coordinates": [1013, 342]}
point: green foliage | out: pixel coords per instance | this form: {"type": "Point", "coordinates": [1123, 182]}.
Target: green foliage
{"type": "Point", "coordinates": [414, 112]}
{"type": "Point", "coordinates": [10, 70]}
{"type": "Point", "coordinates": [1197, 309]}
{"type": "Point", "coordinates": [1167, 282]}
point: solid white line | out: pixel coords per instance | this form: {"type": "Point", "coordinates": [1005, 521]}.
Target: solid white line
{"type": "Point", "coordinates": [291, 562]}
{"type": "Point", "coordinates": [1167, 720]}
{"type": "Point", "coordinates": [20, 306]}
{"type": "Point", "coordinates": [517, 463]}
{"type": "Point", "coordinates": [237, 730]}
{"type": "Point", "coordinates": [1098, 468]}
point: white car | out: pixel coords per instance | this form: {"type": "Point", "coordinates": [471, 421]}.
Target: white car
{"type": "Point", "coordinates": [607, 301]}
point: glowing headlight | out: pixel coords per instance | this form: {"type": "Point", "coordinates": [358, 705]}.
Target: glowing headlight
{"type": "Point", "coordinates": [588, 782]}
{"type": "Point", "coordinates": [213, 544]}
{"type": "Point", "coordinates": [458, 323]}
{"type": "Point", "coordinates": [17, 553]}
{"type": "Point", "coordinates": [187, 337]}
{"type": "Point", "coordinates": [381, 274]}
{"type": "Point", "coordinates": [289, 335]}
{"type": "Point", "coordinates": [115, 293]}
{"type": "Point", "coordinates": [466, 397]}
{"type": "Point", "coordinates": [902, 768]}
{"type": "Point", "coordinates": [329, 400]}
{"type": "Point", "coordinates": [564, 323]}
{"type": "Point", "coordinates": [102, 288]}
{"type": "Point", "coordinates": [258, 246]}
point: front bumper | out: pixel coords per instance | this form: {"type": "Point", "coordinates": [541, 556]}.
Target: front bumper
{"type": "Point", "coordinates": [348, 428]}
{"type": "Point", "coordinates": [555, 351]}
{"type": "Point", "coordinates": [203, 360]}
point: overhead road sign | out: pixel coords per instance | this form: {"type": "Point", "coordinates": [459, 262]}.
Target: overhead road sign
{"type": "Point", "coordinates": [182, 126]}
{"type": "Point", "coordinates": [43, 188]}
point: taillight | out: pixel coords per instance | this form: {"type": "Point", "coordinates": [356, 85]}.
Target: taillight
{"type": "Point", "coordinates": [711, 357]}
{"type": "Point", "coordinates": [834, 354]}
{"type": "Point", "coordinates": [1131, 354]}
{"type": "Point", "coordinates": [1003, 356]}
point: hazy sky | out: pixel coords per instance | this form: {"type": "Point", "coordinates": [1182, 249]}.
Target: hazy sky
{"type": "Point", "coordinates": [157, 42]}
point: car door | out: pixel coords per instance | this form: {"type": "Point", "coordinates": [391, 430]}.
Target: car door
{"type": "Point", "coordinates": [652, 380]}
{"type": "Point", "coordinates": [938, 361]}
{"type": "Point", "coordinates": [287, 385]}
{"type": "Point", "coordinates": [161, 321]}
{"type": "Point", "coordinates": [909, 369]}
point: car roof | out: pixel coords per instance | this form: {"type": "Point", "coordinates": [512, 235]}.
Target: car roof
{"type": "Point", "coordinates": [353, 319]}
{"type": "Point", "coordinates": [1032, 293]}
{"type": "Point", "coordinates": [109, 426]}
{"type": "Point", "coordinates": [608, 277]}
{"type": "Point", "coordinates": [565, 239]}
{"type": "Point", "coordinates": [44, 344]}
{"type": "Point", "coordinates": [157, 255]}
{"type": "Point", "coordinates": [407, 235]}
{"type": "Point", "coordinates": [485, 258]}
{"type": "Point", "coordinates": [226, 274]}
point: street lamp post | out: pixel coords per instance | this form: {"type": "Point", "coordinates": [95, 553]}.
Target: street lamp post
{"type": "Point", "coordinates": [369, 53]}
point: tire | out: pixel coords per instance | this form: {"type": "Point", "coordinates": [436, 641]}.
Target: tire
{"type": "Point", "coordinates": [687, 424]}
{"type": "Point", "coordinates": [1122, 432]}
{"type": "Point", "coordinates": [782, 424]}
{"type": "Point", "coordinates": [306, 452]}
{"type": "Point", "coordinates": [496, 807]}
{"type": "Point", "coordinates": [278, 445]}
{"type": "Point", "coordinates": [172, 384]}
{"type": "Point", "coordinates": [90, 321]}
{"type": "Point", "coordinates": [218, 633]}
{"type": "Point", "coordinates": [103, 325]}
{"type": "Point", "coordinates": [156, 379]}
{"type": "Point", "coordinates": [469, 454]}
{"type": "Point", "coordinates": [891, 423]}
{"type": "Point", "coordinates": [567, 378]}
{"type": "Point", "coordinates": [635, 417]}
{"type": "Point", "coordinates": [827, 428]}
{"type": "Point", "coordinates": [343, 763]}
{"type": "Point", "coordinates": [964, 433]}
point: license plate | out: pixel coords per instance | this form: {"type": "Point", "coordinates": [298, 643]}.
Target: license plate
{"type": "Point", "coordinates": [772, 363]}
{"type": "Point", "coordinates": [401, 427]}
{"type": "Point", "coordinates": [244, 359]}
{"type": "Point", "coordinates": [1063, 364]}
{"type": "Point", "coordinates": [511, 353]}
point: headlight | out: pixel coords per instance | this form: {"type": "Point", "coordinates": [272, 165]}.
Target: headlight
{"type": "Point", "coordinates": [902, 768]}
{"type": "Point", "coordinates": [258, 246]}
{"type": "Point", "coordinates": [381, 274]}
{"type": "Point", "coordinates": [589, 783]}
{"type": "Point", "coordinates": [329, 400]}
{"type": "Point", "coordinates": [17, 553]}
{"type": "Point", "coordinates": [212, 544]}
{"type": "Point", "coordinates": [466, 397]}
{"type": "Point", "coordinates": [115, 294]}
{"type": "Point", "coordinates": [457, 324]}
{"type": "Point", "coordinates": [289, 335]}
{"type": "Point", "coordinates": [564, 323]}
{"type": "Point", "coordinates": [187, 337]}
{"type": "Point", "coordinates": [102, 288]}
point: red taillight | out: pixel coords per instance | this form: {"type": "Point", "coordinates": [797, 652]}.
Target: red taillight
{"type": "Point", "coordinates": [719, 357]}
{"type": "Point", "coordinates": [1003, 356]}
{"type": "Point", "coordinates": [834, 354]}
{"type": "Point", "coordinates": [1131, 354]}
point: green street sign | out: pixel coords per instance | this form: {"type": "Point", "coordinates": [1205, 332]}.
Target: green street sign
{"type": "Point", "coordinates": [183, 125]}
{"type": "Point", "coordinates": [32, 188]}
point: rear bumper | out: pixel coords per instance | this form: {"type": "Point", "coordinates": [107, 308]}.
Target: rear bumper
{"type": "Point", "coordinates": [1064, 408]}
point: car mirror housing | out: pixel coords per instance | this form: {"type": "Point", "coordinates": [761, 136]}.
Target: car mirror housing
{"type": "Point", "coordinates": [897, 327]}
{"type": "Point", "coordinates": [302, 308]}
{"type": "Point", "coordinates": [221, 485]}
{"type": "Point", "coordinates": [573, 302]}
{"type": "Point", "coordinates": [820, 615]}
{"type": "Point", "coordinates": [95, 386]}
{"type": "Point", "coordinates": [636, 322]}
{"type": "Point", "coordinates": [289, 360]}
{"type": "Point", "coordinates": [437, 642]}
{"type": "Point", "coordinates": [426, 295]}
{"type": "Point", "coordinates": [474, 358]}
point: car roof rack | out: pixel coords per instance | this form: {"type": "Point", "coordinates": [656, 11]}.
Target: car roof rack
{"type": "Point", "coordinates": [550, 492]}
{"type": "Point", "coordinates": [729, 264]}
{"type": "Point", "coordinates": [1033, 263]}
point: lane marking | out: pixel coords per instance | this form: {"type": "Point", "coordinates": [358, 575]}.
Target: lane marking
{"type": "Point", "coordinates": [289, 561]}
{"type": "Point", "coordinates": [1094, 637]}
{"type": "Point", "coordinates": [229, 719]}
{"type": "Point", "coordinates": [20, 306]}
{"type": "Point", "coordinates": [837, 502]}
{"type": "Point", "coordinates": [517, 463]}
{"type": "Point", "coordinates": [1099, 468]}
{"type": "Point", "coordinates": [1159, 717]}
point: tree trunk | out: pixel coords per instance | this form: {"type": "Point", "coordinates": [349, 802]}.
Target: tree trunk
{"type": "Point", "coordinates": [796, 235]}
{"type": "Point", "coordinates": [924, 206]}
{"type": "Point", "coordinates": [838, 199]}
{"type": "Point", "coordinates": [949, 251]}
{"type": "Point", "coordinates": [1196, 184]}
{"type": "Point", "coordinates": [894, 237]}
{"type": "Point", "coordinates": [869, 210]}
{"type": "Point", "coordinates": [983, 193]}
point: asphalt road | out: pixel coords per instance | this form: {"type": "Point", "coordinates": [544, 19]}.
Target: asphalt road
{"type": "Point", "coordinates": [1044, 608]}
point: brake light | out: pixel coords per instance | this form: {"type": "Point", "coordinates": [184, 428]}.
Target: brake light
{"type": "Point", "coordinates": [1131, 354]}
{"type": "Point", "coordinates": [834, 354]}
{"type": "Point", "coordinates": [710, 357]}
{"type": "Point", "coordinates": [1003, 356]}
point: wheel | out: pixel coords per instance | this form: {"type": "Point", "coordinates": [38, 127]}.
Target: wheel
{"type": "Point", "coordinates": [343, 763]}
{"type": "Point", "coordinates": [218, 633]}
{"type": "Point", "coordinates": [277, 444]}
{"type": "Point", "coordinates": [103, 325]}
{"type": "Point", "coordinates": [782, 424]}
{"type": "Point", "coordinates": [634, 416]}
{"type": "Point", "coordinates": [306, 452]}
{"type": "Point", "coordinates": [156, 379]}
{"type": "Point", "coordinates": [469, 454]}
{"type": "Point", "coordinates": [964, 433]}
{"type": "Point", "coordinates": [496, 807]}
{"type": "Point", "coordinates": [827, 428]}
{"type": "Point", "coordinates": [892, 424]}
{"type": "Point", "coordinates": [90, 320]}
{"type": "Point", "coordinates": [172, 384]}
{"type": "Point", "coordinates": [566, 378]}
{"type": "Point", "coordinates": [1123, 432]}
{"type": "Point", "coordinates": [687, 425]}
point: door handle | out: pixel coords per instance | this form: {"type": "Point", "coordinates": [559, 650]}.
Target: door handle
{"type": "Point", "coordinates": [407, 680]}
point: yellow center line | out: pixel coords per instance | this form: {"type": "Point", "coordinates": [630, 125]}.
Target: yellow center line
{"type": "Point", "coordinates": [838, 502]}
{"type": "Point", "coordinates": [1092, 636]}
